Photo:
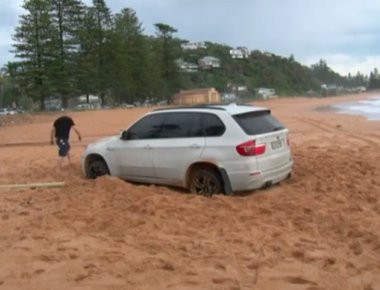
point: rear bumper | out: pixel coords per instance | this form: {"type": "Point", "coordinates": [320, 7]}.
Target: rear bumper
{"type": "Point", "coordinates": [245, 181]}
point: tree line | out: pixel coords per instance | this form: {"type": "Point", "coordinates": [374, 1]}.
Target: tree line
{"type": "Point", "coordinates": [65, 49]}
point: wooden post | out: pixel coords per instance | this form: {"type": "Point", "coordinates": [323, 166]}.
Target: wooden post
{"type": "Point", "coordinates": [32, 185]}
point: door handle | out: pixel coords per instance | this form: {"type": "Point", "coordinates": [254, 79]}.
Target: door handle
{"type": "Point", "coordinates": [195, 146]}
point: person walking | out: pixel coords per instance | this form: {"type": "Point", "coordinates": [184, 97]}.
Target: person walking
{"type": "Point", "coordinates": [61, 132]}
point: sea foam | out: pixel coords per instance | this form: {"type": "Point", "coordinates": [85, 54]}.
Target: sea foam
{"type": "Point", "coordinates": [368, 108]}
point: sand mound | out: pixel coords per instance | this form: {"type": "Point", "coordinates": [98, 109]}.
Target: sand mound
{"type": "Point", "coordinates": [318, 230]}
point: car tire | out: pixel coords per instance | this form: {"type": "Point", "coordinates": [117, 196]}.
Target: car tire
{"type": "Point", "coordinates": [206, 182]}
{"type": "Point", "coordinates": [97, 168]}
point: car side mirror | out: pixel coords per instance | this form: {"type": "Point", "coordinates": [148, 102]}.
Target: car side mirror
{"type": "Point", "coordinates": [124, 135]}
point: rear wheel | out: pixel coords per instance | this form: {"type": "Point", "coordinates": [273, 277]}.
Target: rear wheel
{"type": "Point", "coordinates": [97, 168]}
{"type": "Point", "coordinates": [205, 182]}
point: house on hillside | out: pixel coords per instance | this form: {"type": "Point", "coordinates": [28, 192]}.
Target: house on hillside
{"type": "Point", "coordinates": [209, 62]}
{"type": "Point", "coordinates": [198, 96]}
{"type": "Point", "coordinates": [193, 45]}
{"type": "Point", "coordinates": [239, 52]}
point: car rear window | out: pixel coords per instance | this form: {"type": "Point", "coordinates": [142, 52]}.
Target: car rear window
{"type": "Point", "coordinates": [259, 122]}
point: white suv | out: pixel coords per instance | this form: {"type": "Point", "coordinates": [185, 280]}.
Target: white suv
{"type": "Point", "coordinates": [207, 149]}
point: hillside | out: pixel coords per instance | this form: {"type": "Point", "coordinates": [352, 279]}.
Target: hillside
{"type": "Point", "coordinates": [261, 69]}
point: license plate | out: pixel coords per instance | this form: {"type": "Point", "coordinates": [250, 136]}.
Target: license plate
{"type": "Point", "coordinates": [276, 144]}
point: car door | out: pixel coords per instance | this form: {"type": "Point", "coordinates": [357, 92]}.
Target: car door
{"type": "Point", "coordinates": [180, 144]}
{"type": "Point", "coordinates": [133, 153]}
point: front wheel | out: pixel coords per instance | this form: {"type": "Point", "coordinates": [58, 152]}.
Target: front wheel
{"type": "Point", "coordinates": [97, 168]}
{"type": "Point", "coordinates": [205, 182]}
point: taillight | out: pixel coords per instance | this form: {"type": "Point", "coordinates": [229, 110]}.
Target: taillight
{"type": "Point", "coordinates": [250, 148]}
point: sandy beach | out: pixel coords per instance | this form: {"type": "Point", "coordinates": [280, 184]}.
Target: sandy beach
{"type": "Point", "coordinates": [318, 230]}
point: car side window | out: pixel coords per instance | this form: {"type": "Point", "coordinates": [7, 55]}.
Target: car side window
{"type": "Point", "coordinates": [148, 127]}
{"type": "Point", "coordinates": [212, 125]}
{"type": "Point", "coordinates": [181, 125]}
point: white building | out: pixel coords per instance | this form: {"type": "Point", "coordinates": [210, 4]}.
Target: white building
{"type": "Point", "coordinates": [266, 93]}
{"type": "Point", "coordinates": [193, 45]}
{"type": "Point", "coordinates": [91, 99]}
{"type": "Point", "coordinates": [209, 62]}
{"type": "Point", "coordinates": [229, 97]}
{"type": "Point", "coordinates": [239, 52]}
{"type": "Point", "coordinates": [240, 88]}
{"type": "Point", "coordinates": [94, 102]}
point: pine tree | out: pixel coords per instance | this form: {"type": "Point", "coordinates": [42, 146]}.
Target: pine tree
{"type": "Point", "coordinates": [167, 49]}
{"type": "Point", "coordinates": [101, 33]}
{"type": "Point", "coordinates": [9, 89]}
{"type": "Point", "coordinates": [33, 46]}
{"type": "Point", "coordinates": [86, 60]}
{"type": "Point", "coordinates": [66, 17]}
{"type": "Point", "coordinates": [374, 80]}
{"type": "Point", "coordinates": [130, 57]}
{"type": "Point", "coordinates": [93, 58]}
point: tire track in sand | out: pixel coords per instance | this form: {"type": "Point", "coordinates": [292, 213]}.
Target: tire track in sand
{"type": "Point", "coordinates": [334, 130]}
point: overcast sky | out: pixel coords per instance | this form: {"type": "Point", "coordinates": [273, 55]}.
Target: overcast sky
{"type": "Point", "coordinates": [346, 33]}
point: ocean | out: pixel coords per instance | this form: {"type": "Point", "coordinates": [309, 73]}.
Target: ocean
{"type": "Point", "coordinates": [368, 108]}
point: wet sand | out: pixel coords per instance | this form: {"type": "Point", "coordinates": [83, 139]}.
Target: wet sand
{"type": "Point", "coordinates": [318, 230]}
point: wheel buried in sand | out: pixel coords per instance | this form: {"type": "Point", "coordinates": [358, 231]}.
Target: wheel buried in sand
{"type": "Point", "coordinates": [205, 182]}
{"type": "Point", "coordinates": [97, 168]}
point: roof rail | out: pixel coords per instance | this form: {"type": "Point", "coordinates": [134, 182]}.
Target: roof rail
{"type": "Point", "coordinates": [210, 106]}
{"type": "Point", "coordinates": [198, 106]}
{"type": "Point", "coordinates": [241, 104]}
